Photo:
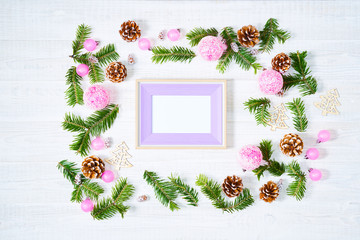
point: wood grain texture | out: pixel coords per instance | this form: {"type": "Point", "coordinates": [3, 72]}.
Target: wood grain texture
{"type": "Point", "coordinates": [35, 41]}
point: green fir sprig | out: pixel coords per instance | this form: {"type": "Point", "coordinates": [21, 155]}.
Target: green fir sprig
{"type": "Point", "coordinates": [298, 187]}
{"type": "Point", "coordinates": [297, 108]}
{"type": "Point", "coordinates": [174, 54]}
{"type": "Point", "coordinates": [106, 55]}
{"type": "Point", "coordinates": [82, 33]}
{"type": "Point", "coordinates": [270, 33]}
{"type": "Point", "coordinates": [188, 193]}
{"type": "Point", "coordinates": [260, 108]}
{"type": "Point", "coordinates": [74, 93]}
{"type": "Point", "coordinates": [195, 35]}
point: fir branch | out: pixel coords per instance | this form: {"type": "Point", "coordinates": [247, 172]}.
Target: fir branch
{"type": "Point", "coordinates": [106, 55]}
{"type": "Point", "coordinates": [96, 74]}
{"type": "Point", "coordinates": [298, 187]}
{"type": "Point", "coordinates": [270, 33]}
{"type": "Point", "coordinates": [241, 202]}
{"type": "Point", "coordinates": [81, 143]}
{"type": "Point", "coordinates": [122, 191]}
{"type": "Point", "coordinates": [74, 94]}
{"type": "Point", "coordinates": [266, 149]}
{"type": "Point", "coordinates": [69, 170]}
{"type": "Point", "coordinates": [275, 168]}
{"type": "Point", "coordinates": [77, 194]}
{"type": "Point", "coordinates": [246, 60]}
{"type": "Point", "coordinates": [225, 60]}
{"type": "Point", "coordinates": [83, 32]}
{"type": "Point", "coordinates": [165, 192]}
{"type": "Point", "coordinates": [297, 108]}
{"type": "Point", "coordinates": [74, 123]}
{"type": "Point", "coordinates": [82, 58]}
{"type": "Point", "coordinates": [188, 193]}
{"type": "Point", "coordinates": [195, 35]}
{"type": "Point", "coordinates": [259, 107]}
{"type": "Point", "coordinates": [102, 120]}
{"type": "Point", "coordinates": [259, 172]}
{"type": "Point", "coordinates": [229, 35]}
{"type": "Point", "coordinates": [174, 54]}
{"type": "Point", "coordinates": [91, 190]}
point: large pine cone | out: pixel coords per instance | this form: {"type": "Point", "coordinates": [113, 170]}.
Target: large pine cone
{"type": "Point", "coordinates": [248, 36]}
{"type": "Point", "coordinates": [281, 62]}
{"type": "Point", "coordinates": [116, 72]}
{"type": "Point", "coordinates": [232, 186]}
{"type": "Point", "coordinates": [269, 192]}
{"type": "Point", "coordinates": [291, 145]}
{"type": "Point", "coordinates": [130, 31]}
{"type": "Point", "coordinates": [92, 167]}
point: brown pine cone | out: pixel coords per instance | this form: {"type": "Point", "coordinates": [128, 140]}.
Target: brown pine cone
{"type": "Point", "coordinates": [130, 31]}
{"type": "Point", "coordinates": [269, 192]}
{"type": "Point", "coordinates": [291, 145]}
{"type": "Point", "coordinates": [116, 72]}
{"type": "Point", "coordinates": [232, 186]}
{"type": "Point", "coordinates": [92, 167]}
{"type": "Point", "coordinates": [248, 36]}
{"type": "Point", "coordinates": [281, 62]}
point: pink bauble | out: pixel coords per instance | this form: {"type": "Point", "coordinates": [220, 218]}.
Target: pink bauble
{"type": "Point", "coordinates": [312, 154]}
{"type": "Point", "coordinates": [108, 176]}
{"type": "Point", "coordinates": [270, 82]}
{"type": "Point", "coordinates": [323, 136]}
{"type": "Point", "coordinates": [96, 97]}
{"type": "Point", "coordinates": [315, 174]}
{"type": "Point", "coordinates": [87, 205]}
{"type": "Point", "coordinates": [250, 157]}
{"type": "Point", "coordinates": [90, 44]}
{"type": "Point", "coordinates": [173, 34]}
{"type": "Point", "coordinates": [97, 144]}
{"type": "Point", "coordinates": [144, 44]}
{"type": "Point", "coordinates": [82, 70]}
{"type": "Point", "coordinates": [211, 48]}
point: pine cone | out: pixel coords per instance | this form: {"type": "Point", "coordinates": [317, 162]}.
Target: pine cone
{"type": "Point", "coordinates": [281, 62]}
{"type": "Point", "coordinates": [116, 72]}
{"type": "Point", "coordinates": [232, 186]}
{"type": "Point", "coordinates": [92, 167]}
{"type": "Point", "coordinates": [291, 145]}
{"type": "Point", "coordinates": [130, 31]}
{"type": "Point", "coordinates": [248, 36]}
{"type": "Point", "coordinates": [269, 192]}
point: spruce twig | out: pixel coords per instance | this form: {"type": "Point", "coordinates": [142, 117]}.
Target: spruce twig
{"type": "Point", "coordinates": [187, 192]}
{"type": "Point", "coordinates": [270, 33]}
{"type": "Point", "coordinates": [96, 74]}
{"type": "Point", "coordinates": [297, 108]}
{"type": "Point", "coordinates": [195, 35]}
{"type": "Point", "coordinates": [74, 94]}
{"type": "Point", "coordinates": [298, 187]}
{"type": "Point", "coordinates": [106, 55]}
{"type": "Point", "coordinates": [174, 54]}
{"type": "Point", "coordinates": [83, 32]}
{"type": "Point", "coordinates": [260, 108]}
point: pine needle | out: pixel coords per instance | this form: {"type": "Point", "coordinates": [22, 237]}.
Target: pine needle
{"type": "Point", "coordinates": [82, 33]}
{"type": "Point", "coordinates": [174, 54]}
{"type": "Point", "coordinates": [270, 33]}
{"type": "Point", "coordinates": [187, 192]}
{"type": "Point", "coordinates": [195, 35]}
{"type": "Point", "coordinates": [297, 108]}
{"type": "Point", "coordinates": [298, 187]}
{"type": "Point", "coordinates": [260, 108]}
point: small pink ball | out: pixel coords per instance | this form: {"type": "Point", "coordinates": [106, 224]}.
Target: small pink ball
{"type": "Point", "coordinates": [87, 205]}
{"type": "Point", "coordinates": [96, 97]}
{"type": "Point", "coordinates": [315, 174]}
{"type": "Point", "coordinates": [108, 176]}
{"type": "Point", "coordinates": [173, 35]}
{"type": "Point", "coordinates": [312, 154]}
{"type": "Point", "coordinates": [97, 144]}
{"type": "Point", "coordinates": [250, 157]}
{"type": "Point", "coordinates": [270, 82]}
{"type": "Point", "coordinates": [323, 136]}
{"type": "Point", "coordinates": [211, 48]}
{"type": "Point", "coordinates": [144, 44]}
{"type": "Point", "coordinates": [90, 44]}
{"type": "Point", "coordinates": [82, 70]}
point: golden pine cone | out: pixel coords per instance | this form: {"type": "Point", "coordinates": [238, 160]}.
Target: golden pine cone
{"type": "Point", "coordinates": [291, 145]}
{"type": "Point", "coordinates": [92, 167]}
{"type": "Point", "coordinates": [116, 72]}
{"type": "Point", "coordinates": [281, 62]}
{"type": "Point", "coordinates": [232, 186]}
{"type": "Point", "coordinates": [269, 192]}
{"type": "Point", "coordinates": [248, 36]}
{"type": "Point", "coordinates": [130, 31]}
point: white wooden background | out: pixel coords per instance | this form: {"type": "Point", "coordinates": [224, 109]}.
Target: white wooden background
{"type": "Point", "coordinates": [35, 41]}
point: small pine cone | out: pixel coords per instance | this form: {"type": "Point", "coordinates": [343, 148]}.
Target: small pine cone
{"type": "Point", "coordinates": [130, 31]}
{"type": "Point", "coordinates": [269, 192]}
{"type": "Point", "coordinates": [281, 62]}
{"type": "Point", "coordinates": [291, 145]}
{"type": "Point", "coordinates": [116, 72]}
{"type": "Point", "coordinates": [131, 59]}
{"type": "Point", "coordinates": [161, 35]}
{"type": "Point", "coordinates": [232, 186]}
{"type": "Point", "coordinates": [92, 167]}
{"type": "Point", "coordinates": [248, 36]}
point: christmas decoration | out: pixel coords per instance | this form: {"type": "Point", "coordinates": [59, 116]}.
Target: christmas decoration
{"type": "Point", "coordinates": [297, 108]}
{"type": "Point", "coordinates": [270, 82]}
{"type": "Point", "coordinates": [195, 35]}
{"type": "Point", "coordinates": [315, 174]}
{"type": "Point", "coordinates": [142, 198]}
{"type": "Point", "coordinates": [74, 94]}
{"type": "Point", "coordinates": [312, 154]}
{"type": "Point", "coordinates": [259, 107]}
{"type": "Point", "coordinates": [77, 179]}
{"type": "Point", "coordinates": [234, 47]}
{"type": "Point", "coordinates": [269, 191]}
{"type": "Point", "coordinates": [173, 34]}
{"type": "Point", "coordinates": [291, 145]}
{"type": "Point", "coordinates": [270, 33]}
{"type": "Point", "coordinates": [161, 35]}
{"type": "Point", "coordinates": [323, 136]}
{"type": "Point", "coordinates": [90, 44]}
{"type": "Point", "coordinates": [188, 193]}
{"type": "Point", "coordinates": [250, 157]}
{"type": "Point", "coordinates": [232, 186]}
{"type": "Point", "coordinates": [87, 205]}
{"type": "Point", "coordinates": [144, 44]}
{"type": "Point", "coordinates": [212, 190]}
{"type": "Point", "coordinates": [116, 72]}
{"type": "Point", "coordinates": [107, 142]}
{"type": "Point", "coordinates": [248, 36]}
{"type": "Point", "coordinates": [131, 59]}
{"type": "Point", "coordinates": [298, 187]}
{"type": "Point", "coordinates": [92, 167]}
{"type": "Point", "coordinates": [174, 54]}
{"type": "Point", "coordinates": [277, 118]}
{"type": "Point", "coordinates": [93, 59]}
{"type": "Point", "coordinates": [96, 97]}
{"type": "Point", "coordinates": [82, 70]}
{"type": "Point", "coordinates": [120, 157]}
{"type": "Point", "coordinates": [329, 102]}
{"type": "Point", "coordinates": [211, 48]}
{"type": "Point", "coordinates": [130, 31]}
{"type": "Point", "coordinates": [97, 144]}
{"type": "Point", "coordinates": [108, 176]}
{"type": "Point", "coordinates": [306, 83]}
{"type": "Point", "coordinates": [281, 62]}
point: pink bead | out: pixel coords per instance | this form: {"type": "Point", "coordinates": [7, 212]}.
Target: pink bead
{"type": "Point", "coordinates": [82, 70]}
{"type": "Point", "coordinates": [144, 44]}
{"type": "Point", "coordinates": [96, 97]}
{"type": "Point", "coordinates": [97, 144]}
{"type": "Point", "coordinates": [315, 174]}
{"type": "Point", "coordinates": [107, 176]}
{"type": "Point", "coordinates": [323, 136]}
{"type": "Point", "coordinates": [270, 82]}
{"type": "Point", "coordinates": [211, 48]}
{"type": "Point", "coordinates": [87, 205]}
{"type": "Point", "coordinates": [90, 44]}
{"type": "Point", "coordinates": [173, 34]}
{"type": "Point", "coordinates": [312, 154]}
{"type": "Point", "coordinates": [250, 157]}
